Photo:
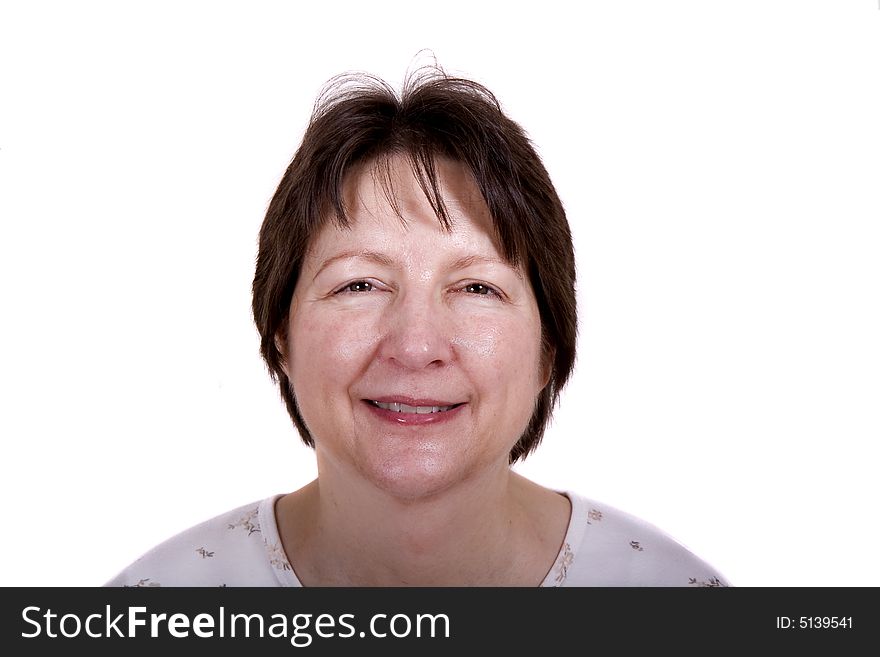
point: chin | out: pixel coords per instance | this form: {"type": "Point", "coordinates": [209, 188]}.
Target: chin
{"type": "Point", "coordinates": [412, 479]}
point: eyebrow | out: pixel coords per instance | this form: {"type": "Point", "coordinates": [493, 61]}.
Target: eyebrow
{"type": "Point", "coordinates": [468, 260]}
{"type": "Point", "coordinates": [371, 256]}
{"type": "Point", "coordinates": [384, 260]}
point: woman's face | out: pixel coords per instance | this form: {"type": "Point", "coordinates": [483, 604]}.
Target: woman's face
{"type": "Point", "coordinates": [414, 353]}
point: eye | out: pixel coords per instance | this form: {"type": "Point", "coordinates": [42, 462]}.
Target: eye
{"type": "Point", "coordinates": [481, 289]}
{"type": "Point", "coordinates": [356, 286]}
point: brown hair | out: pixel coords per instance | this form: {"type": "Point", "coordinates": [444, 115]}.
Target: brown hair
{"type": "Point", "coordinates": [359, 118]}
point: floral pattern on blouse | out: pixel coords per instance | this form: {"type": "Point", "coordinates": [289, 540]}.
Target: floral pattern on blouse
{"type": "Point", "coordinates": [277, 557]}
{"type": "Point", "coordinates": [143, 582]}
{"type": "Point", "coordinates": [248, 521]}
{"type": "Point", "coordinates": [714, 581]}
{"type": "Point", "coordinates": [564, 561]}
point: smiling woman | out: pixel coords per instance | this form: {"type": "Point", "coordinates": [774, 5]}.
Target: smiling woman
{"type": "Point", "coordinates": [414, 294]}
{"type": "Point", "coordinates": [415, 350]}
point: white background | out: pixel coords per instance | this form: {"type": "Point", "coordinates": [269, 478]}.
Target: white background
{"type": "Point", "coordinates": [720, 165]}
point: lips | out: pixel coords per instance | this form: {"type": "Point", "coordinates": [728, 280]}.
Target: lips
{"type": "Point", "coordinates": [411, 411]}
{"type": "Point", "coordinates": [419, 409]}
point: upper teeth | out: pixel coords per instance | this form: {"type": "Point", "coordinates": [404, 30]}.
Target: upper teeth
{"type": "Point", "coordinates": [403, 408]}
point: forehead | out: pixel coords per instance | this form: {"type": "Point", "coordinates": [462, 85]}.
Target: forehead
{"type": "Point", "coordinates": [386, 205]}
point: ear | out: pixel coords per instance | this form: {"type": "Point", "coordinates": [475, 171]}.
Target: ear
{"type": "Point", "coordinates": [548, 355]}
{"type": "Point", "coordinates": [281, 347]}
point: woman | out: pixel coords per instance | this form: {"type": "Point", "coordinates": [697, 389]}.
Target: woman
{"type": "Point", "coordinates": [415, 297]}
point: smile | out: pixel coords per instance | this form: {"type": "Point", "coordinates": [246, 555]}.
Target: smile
{"type": "Point", "coordinates": [420, 414]}
{"type": "Point", "coordinates": [419, 410]}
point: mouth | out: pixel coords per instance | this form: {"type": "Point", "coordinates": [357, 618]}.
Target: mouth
{"type": "Point", "coordinates": [425, 409]}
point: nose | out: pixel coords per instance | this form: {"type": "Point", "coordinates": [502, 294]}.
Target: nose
{"type": "Point", "coordinates": [417, 332]}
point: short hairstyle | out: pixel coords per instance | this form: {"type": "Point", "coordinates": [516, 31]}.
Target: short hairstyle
{"type": "Point", "coordinates": [359, 118]}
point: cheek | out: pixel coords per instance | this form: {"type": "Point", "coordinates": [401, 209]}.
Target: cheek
{"type": "Point", "coordinates": [328, 350]}
{"type": "Point", "coordinates": [477, 339]}
{"type": "Point", "coordinates": [508, 348]}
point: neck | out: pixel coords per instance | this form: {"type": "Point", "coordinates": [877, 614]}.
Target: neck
{"type": "Point", "coordinates": [499, 529]}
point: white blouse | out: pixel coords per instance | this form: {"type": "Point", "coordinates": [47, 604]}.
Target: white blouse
{"type": "Point", "coordinates": [603, 546]}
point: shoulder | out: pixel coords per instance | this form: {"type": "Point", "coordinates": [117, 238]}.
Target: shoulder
{"type": "Point", "coordinates": [609, 547]}
{"type": "Point", "coordinates": [232, 549]}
